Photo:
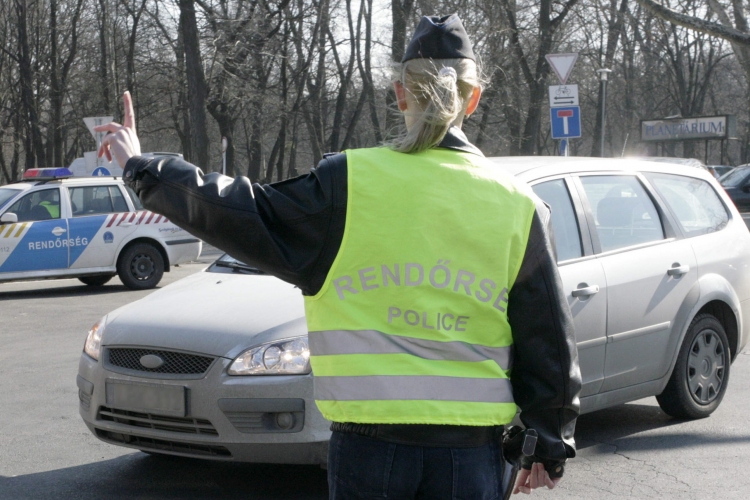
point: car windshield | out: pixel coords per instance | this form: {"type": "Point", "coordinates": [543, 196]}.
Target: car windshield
{"type": "Point", "coordinates": [227, 261]}
{"type": "Point", "coordinates": [735, 178]}
{"type": "Point", "coordinates": [6, 194]}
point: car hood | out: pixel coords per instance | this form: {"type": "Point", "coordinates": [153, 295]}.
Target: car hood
{"type": "Point", "coordinates": [211, 313]}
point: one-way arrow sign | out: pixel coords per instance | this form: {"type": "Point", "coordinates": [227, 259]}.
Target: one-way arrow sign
{"type": "Point", "coordinates": [562, 64]}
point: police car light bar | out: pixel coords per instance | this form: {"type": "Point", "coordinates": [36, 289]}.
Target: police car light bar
{"type": "Point", "coordinates": [41, 174]}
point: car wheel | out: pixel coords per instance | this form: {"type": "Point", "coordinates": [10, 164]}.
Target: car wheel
{"type": "Point", "coordinates": [701, 374]}
{"type": "Point", "coordinates": [140, 266]}
{"type": "Point", "coordinates": [95, 280]}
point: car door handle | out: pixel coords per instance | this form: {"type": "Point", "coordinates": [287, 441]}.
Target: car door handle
{"type": "Point", "coordinates": [126, 224]}
{"type": "Point", "coordinates": [678, 270]}
{"type": "Point", "coordinates": [586, 291]}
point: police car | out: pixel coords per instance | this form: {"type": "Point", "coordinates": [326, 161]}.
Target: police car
{"type": "Point", "coordinates": [55, 226]}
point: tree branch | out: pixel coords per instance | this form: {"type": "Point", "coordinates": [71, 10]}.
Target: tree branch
{"type": "Point", "coordinates": [694, 23]}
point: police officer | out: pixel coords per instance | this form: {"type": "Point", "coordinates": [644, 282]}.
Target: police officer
{"type": "Point", "coordinates": [50, 203]}
{"type": "Point", "coordinates": [427, 276]}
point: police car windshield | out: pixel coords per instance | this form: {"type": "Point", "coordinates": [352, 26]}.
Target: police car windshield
{"type": "Point", "coordinates": [6, 194]}
{"type": "Point", "coordinates": [228, 262]}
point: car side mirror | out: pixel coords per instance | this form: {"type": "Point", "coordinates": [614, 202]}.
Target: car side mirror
{"type": "Point", "coordinates": [9, 218]}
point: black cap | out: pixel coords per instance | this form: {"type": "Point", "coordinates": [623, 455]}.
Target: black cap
{"type": "Point", "coordinates": [439, 38]}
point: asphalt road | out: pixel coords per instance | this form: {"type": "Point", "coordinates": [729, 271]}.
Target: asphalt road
{"type": "Point", "coordinates": [46, 452]}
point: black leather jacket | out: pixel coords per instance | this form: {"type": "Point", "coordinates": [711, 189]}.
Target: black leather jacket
{"type": "Point", "coordinates": [293, 230]}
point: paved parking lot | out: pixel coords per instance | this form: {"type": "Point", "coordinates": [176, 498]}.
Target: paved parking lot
{"type": "Point", "coordinates": [46, 452]}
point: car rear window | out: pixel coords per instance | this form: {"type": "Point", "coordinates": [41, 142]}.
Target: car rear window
{"type": "Point", "coordinates": [623, 211]}
{"type": "Point", "coordinates": [735, 178]}
{"type": "Point", "coordinates": [693, 201]}
{"type": "Point", "coordinates": [564, 223]}
{"type": "Point", "coordinates": [94, 200]}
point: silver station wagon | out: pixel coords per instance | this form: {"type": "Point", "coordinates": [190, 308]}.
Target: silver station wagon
{"type": "Point", "coordinates": [653, 257]}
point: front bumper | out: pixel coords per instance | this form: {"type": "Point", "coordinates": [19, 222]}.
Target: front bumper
{"type": "Point", "coordinates": [261, 419]}
{"type": "Point", "coordinates": [180, 250]}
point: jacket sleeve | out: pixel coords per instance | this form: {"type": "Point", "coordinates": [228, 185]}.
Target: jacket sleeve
{"type": "Point", "coordinates": [546, 378]}
{"type": "Point", "coordinates": [290, 229]}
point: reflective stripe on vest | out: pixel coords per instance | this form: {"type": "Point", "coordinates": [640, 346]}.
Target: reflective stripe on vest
{"type": "Point", "coordinates": [374, 342]}
{"type": "Point", "coordinates": [411, 324]}
{"type": "Point", "coordinates": [413, 387]}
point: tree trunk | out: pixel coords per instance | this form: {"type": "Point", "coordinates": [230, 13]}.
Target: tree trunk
{"type": "Point", "coordinates": [614, 29]}
{"type": "Point", "coordinates": [130, 55]}
{"type": "Point", "coordinates": [401, 12]}
{"type": "Point", "coordinates": [55, 92]}
{"type": "Point", "coordinates": [59, 72]}
{"type": "Point", "coordinates": [196, 84]}
{"type": "Point", "coordinates": [226, 122]}
{"type": "Point", "coordinates": [185, 130]}
{"type": "Point", "coordinates": [103, 69]}
{"type": "Point", "coordinates": [529, 142]}
{"type": "Point", "coordinates": [33, 146]}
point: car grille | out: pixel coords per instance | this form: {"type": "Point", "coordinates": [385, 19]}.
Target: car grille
{"type": "Point", "coordinates": [144, 443]}
{"type": "Point", "coordinates": [158, 422]}
{"type": "Point", "coordinates": [175, 363]}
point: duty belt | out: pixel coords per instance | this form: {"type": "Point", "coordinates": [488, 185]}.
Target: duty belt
{"type": "Point", "coordinates": [438, 436]}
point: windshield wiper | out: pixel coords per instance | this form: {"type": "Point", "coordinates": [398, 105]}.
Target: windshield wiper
{"type": "Point", "coordinates": [238, 267]}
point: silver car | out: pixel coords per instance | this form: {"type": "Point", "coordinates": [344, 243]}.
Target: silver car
{"type": "Point", "coordinates": [653, 258]}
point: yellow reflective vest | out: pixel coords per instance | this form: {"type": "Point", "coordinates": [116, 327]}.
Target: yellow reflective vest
{"type": "Point", "coordinates": [411, 324]}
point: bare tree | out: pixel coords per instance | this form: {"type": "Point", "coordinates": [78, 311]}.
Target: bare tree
{"type": "Point", "coordinates": [534, 67]}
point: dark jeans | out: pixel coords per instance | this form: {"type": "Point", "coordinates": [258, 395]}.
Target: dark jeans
{"type": "Point", "coordinates": [363, 467]}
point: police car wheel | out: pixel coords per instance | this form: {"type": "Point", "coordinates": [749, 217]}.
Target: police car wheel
{"type": "Point", "coordinates": [94, 280]}
{"type": "Point", "coordinates": [701, 374]}
{"type": "Point", "coordinates": [140, 266]}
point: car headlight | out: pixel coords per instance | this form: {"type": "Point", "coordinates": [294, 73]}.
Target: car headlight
{"type": "Point", "coordinates": [283, 357]}
{"type": "Point", "coordinates": [94, 339]}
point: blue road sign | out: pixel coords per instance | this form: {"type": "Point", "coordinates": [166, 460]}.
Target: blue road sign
{"type": "Point", "coordinates": [100, 172]}
{"type": "Point", "coordinates": [566, 122]}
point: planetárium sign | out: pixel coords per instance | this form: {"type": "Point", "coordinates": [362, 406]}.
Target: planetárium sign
{"type": "Point", "coordinates": [681, 129]}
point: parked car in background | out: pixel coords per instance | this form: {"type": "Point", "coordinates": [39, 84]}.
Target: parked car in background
{"type": "Point", "coordinates": [216, 365]}
{"type": "Point", "coordinates": [737, 185]}
{"type": "Point", "coordinates": [719, 171]}
{"type": "Point", "coordinates": [55, 226]}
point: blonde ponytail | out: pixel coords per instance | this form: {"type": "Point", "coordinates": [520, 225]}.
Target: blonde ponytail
{"type": "Point", "coordinates": [441, 89]}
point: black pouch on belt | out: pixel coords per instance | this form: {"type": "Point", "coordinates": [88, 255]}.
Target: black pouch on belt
{"type": "Point", "coordinates": [517, 443]}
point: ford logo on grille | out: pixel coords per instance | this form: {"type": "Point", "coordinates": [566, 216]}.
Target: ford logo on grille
{"type": "Point", "coordinates": [151, 361]}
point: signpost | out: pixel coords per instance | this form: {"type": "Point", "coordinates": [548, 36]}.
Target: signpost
{"type": "Point", "coordinates": [224, 145]}
{"type": "Point", "coordinates": [566, 122]}
{"type": "Point", "coordinates": [562, 64]}
{"type": "Point", "coordinates": [100, 172]}
{"type": "Point", "coordinates": [706, 128]}
{"type": "Point", "coordinates": [565, 114]}
{"type": "Point", "coordinates": [563, 95]}
{"type": "Point", "coordinates": [95, 121]}
{"type": "Point", "coordinates": [681, 129]}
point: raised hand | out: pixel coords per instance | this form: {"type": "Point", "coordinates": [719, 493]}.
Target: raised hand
{"type": "Point", "coordinates": [121, 141]}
